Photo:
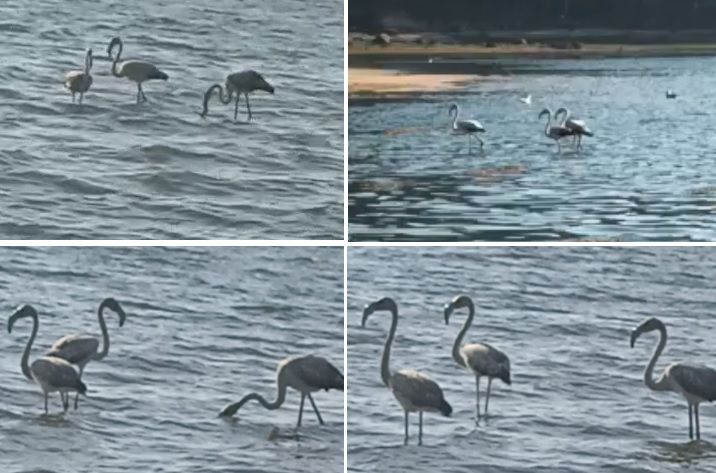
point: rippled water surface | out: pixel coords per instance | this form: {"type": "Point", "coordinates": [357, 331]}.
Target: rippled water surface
{"type": "Point", "coordinates": [204, 327]}
{"type": "Point", "coordinates": [116, 169]}
{"type": "Point", "coordinates": [577, 402]}
{"type": "Point", "coordinates": [647, 175]}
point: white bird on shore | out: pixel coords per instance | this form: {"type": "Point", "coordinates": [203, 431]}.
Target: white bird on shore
{"type": "Point", "coordinates": [51, 374]}
{"type": "Point", "coordinates": [466, 127]}
{"type": "Point", "coordinates": [526, 100]}
{"type": "Point", "coordinates": [238, 83]}
{"type": "Point", "coordinates": [137, 71]}
{"type": "Point", "coordinates": [579, 127]}
{"type": "Point", "coordinates": [80, 81]}
{"type": "Point", "coordinates": [695, 383]}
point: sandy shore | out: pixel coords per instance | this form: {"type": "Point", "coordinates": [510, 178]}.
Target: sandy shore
{"type": "Point", "coordinates": [363, 81]}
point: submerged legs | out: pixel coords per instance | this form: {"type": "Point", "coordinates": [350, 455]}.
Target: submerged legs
{"type": "Point", "coordinates": [420, 428]}
{"type": "Point", "coordinates": [405, 441]}
{"type": "Point", "coordinates": [300, 410]}
{"type": "Point", "coordinates": [489, 385]}
{"type": "Point", "coordinates": [248, 107]}
{"type": "Point", "coordinates": [315, 409]}
{"type": "Point", "coordinates": [236, 106]}
{"type": "Point", "coordinates": [698, 426]}
{"type": "Point", "coordinates": [691, 423]}
{"type": "Point", "coordinates": [140, 93]}
{"type": "Point", "coordinates": [477, 385]}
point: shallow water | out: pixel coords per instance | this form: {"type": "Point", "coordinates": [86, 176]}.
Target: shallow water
{"type": "Point", "coordinates": [204, 326]}
{"type": "Point", "coordinates": [577, 402]}
{"type": "Point", "coordinates": [646, 175]}
{"type": "Point", "coordinates": [116, 169]}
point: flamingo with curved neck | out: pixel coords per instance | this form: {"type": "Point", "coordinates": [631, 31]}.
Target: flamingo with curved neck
{"type": "Point", "coordinates": [694, 383]}
{"type": "Point", "coordinates": [238, 83]}
{"type": "Point", "coordinates": [414, 391]}
{"type": "Point", "coordinates": [51, 374]}
{"type": "Point", "coordinates": [137, 71]}
{"type": "Point", "coordinates": [481, 359]}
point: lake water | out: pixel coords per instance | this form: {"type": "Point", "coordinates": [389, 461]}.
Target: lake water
{"type": "Point", "coordinates": [646, 175]}
{"type": "Point", "coordinates": [204, 327]}
{"type": "Point", "coordinates": [115, 169]}
{"type": "Point", "coordinates": [577, 402]}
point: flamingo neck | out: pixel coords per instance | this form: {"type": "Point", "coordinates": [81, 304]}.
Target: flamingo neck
{"type": "Point", "coordinates": [88, 66]}
{"type": "Point", "coordinates": [385, 362]}
{"type": "Point", "coordinates": [660, 384]}
{"type": "Point", "coordinates": [455, 118]}
{"type": "Point", "coordinates": [116, 60]}
{"type": "Point", "coordinates": [547, 124]}
{"type": "Point", "coordinates": [280, 398]}
{"type": "Point", "coordinates": [457, 356]}
{"type": "Point", "coordinates": [25, 361]}
{"type": "Point", "coordinates": [105, 334]}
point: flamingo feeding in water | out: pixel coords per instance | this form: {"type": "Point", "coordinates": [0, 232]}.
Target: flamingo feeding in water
{"type": "Point", "coordinates": [579, 127]}
{"type": "Point", "coordinates": [52, 374]}
{"type": "Point", "coordinates": [466, 127]}
{"type": "Point", "coordinates": [413, 390]}
{"type": "Point", "coordinates": [137, 71]}
{"type": "Point", "coordinates": [554, 132]}
{"type": "Point", "coordinates": [695, 383]}
{"type": "Point", "coordinates": [80, 81]}
{"type": "Point", "coordinates": [305, 374]}
{"type": "Point", "coordinates": [238, 83]}
{"type": "Point", "coordinates": [81, 349]}
{"type": "Point", "coordinates": [480, 358]}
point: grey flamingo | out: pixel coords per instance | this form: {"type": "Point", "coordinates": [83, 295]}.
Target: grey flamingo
{"type": "Point", "coordinates": [137, 71]}
{"type": "Point", "coordinates": [237, 83]}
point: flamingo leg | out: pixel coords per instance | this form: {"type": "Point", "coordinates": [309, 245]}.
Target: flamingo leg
{"type": "Point", "coordinates": [73, 97]}
{"type": "Point", "coordinates": [559, 147]}
{"type": "Point", "coordinates": [691, 423]}
{"type": "Point", "coordinates": [698, 423]}
{"type": "Point", "coordinates": [248, 107]}
{"type": "Point", "coordinates": [236, 106]}
{"type": "Point", "coordinates": [482, 143]}
{"type": "Point", "coordinates": [46, 411]}
{"type": "Point", "coordinates": [420, 428]}
{"type": "Point", "coordinates": [477, 385]}
{"type": "Point", "coordinates": [315, 409]}
{"type": "Point", "coordinates": [300, 410]}
{"type": "Point", "coordinates": [405, 441]}
{"type": "Point", "coordinates": [77, 396]}
{"type": "Point", "coordinates": [469, 144]}
{"type": "Point", "coordinates": [82, 94]}
{"type": "Point", "coordinates": [487, 401]}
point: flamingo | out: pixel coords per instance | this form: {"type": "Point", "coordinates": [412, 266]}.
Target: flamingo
{"type": "Point", "coordinates": [81, 349]}
{"type": "Point", "coordinates": [695, 383]}
{"type": "Point", "coordinates": [413, 390]}
{"type": "Point", "coordinates": [579, 127]}
{"type": "Point", "coordinates": [555, 132]}
{"type": "Point", "coordinates": [466, 127]}
{"type": "Point", "coordinates": [238, 83]}
{"type": "Point", "coordinates": [52, 374]}
{"type": "Point", "coordinates": [80, 81]}
{"type": "Point", "coordinates": [137, 71]}
{"type": "Point", "coordinates": [480, 358]}
{"type": "Point", "coordinates": [305, 374]}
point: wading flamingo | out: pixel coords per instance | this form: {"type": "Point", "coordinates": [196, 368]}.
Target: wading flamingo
{"type": "Point", "coordinates": [237, 83]}
{"type": "Point", "coordinates": [554, 132]}
{"type": "Point", "coordinates": [52, 374]}
{"type": "Point", "coordinates": [466, 127]}
{"type": "Point", "coordinates": [305, 374]}
{"type": "Point", "coordinates": [413, 390]}
{"type": "Point", "coordinates": [80, 81]}
{"type": "Point", "coordinates": [579, 127]}
{"type": "Point", "coordinates": [137, 71]}
{"type": "Point", "coordinates": [695, 383]}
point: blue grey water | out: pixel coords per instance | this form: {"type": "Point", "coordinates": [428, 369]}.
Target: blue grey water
{"type": "Point", "coordinates": [577, 402]}
{"type": "Point", "coordinates": [115, 169]}
{"type": "Point", "coordinates": [204, 327]}
{"type": "Point", "coordinates": [646, 175]}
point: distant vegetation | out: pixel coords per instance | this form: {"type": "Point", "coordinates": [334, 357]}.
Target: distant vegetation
{"type": "Point", "coordinates": [404, 16]}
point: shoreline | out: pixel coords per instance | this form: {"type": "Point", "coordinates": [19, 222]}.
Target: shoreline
{"type": "Point", "coordinates": [423, 71]}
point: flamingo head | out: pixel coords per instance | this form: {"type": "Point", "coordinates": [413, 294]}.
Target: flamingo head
{"type": "Point", "coordinates": [114, 42]}
{"type": "Point", "coordinates": [453, 109]}
{"type": "Point", "coordinates": [25, 310]}
{"type": "Point", "coordinates": [457, 303]}
{"type": "Point", "coordinates": [544, 112]}
{"type": "Point", "coordinates": [112, 304]}
{"type": "Point", "coordinates": [262, 84]}
{"type": "Point", "coordinates": [385, 303]}
{"type": "Point", "coordinates": [649, 325]}
{"type": "Point", "coordinates": [88, 59]}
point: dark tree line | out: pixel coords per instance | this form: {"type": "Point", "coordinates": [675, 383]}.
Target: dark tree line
{"type": "Point", "coordinates": [461, 15]}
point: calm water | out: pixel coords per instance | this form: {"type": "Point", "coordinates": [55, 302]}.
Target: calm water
{"type": "Point", "coordinates": [204, 327]}
{"type": "Point", "coordinates": [115, 169]}
{"type": "Point", "coordinates": [648, 175]}
{"type": "Point", "coordinates": [577, 402]}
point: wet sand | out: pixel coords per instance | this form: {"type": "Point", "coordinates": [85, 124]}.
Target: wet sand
{"type": "Point", "coordinates": [363, 81]}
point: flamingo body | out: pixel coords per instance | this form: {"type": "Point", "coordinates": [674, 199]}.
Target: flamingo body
{"type": "Point", "coordinates": [80, 81]}
{"type": "Point", "coordinates": [466, 127]}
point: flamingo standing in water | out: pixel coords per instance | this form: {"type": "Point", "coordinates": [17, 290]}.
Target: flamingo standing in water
{"type": "Point", "coordinates": [305, 374]}
{"type": "Point", "coordinates": [238, 83]}
{"type": "Point", "coordinates": [481, 359]}
{"type": "Point", "coordinates": [466, 127]}
{"type": "Point", "coordinates": [81, 349]}
{"type": "Point", "coordinates": [413, 390]}
{"type": "Point", "coordinates": [695, 383]}
{"type": "Point", "coordinates": [80, 81]}
{"type": "Point", "coordinates": [137, 71]}
{"type": "Point", "coordinates": [554, 132]}
{"type": "Point", "coordinates": [579, 127]}
{"type": "Point", "coordinates": [52, 374]}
